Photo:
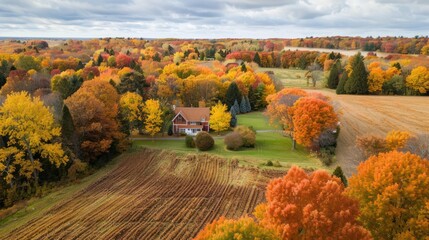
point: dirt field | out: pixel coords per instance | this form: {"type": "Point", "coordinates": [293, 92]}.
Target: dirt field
{"type": "Point", "coordinates": [153, 194]}
{"type": "Point", "coordinates": [361, 115]}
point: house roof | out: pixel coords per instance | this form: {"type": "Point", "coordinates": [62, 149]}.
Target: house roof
{"type": "Point", "coordinates": [193, 114]}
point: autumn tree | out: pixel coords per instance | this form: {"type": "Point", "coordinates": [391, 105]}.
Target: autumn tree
{"type": "Point", "coordinates": [31, 131]}
{"type": "Point", "coordinates": [94, 109]}
{"type": "Point", "coordinates": [153, 114]}
{"type": "Point", "coordinates": [357, 82]}
{"type": "Point", "coordinates": [131, 109]}
{"type": "Point", "coordinates": [66, 83]}
{"type": "Point", "coordinates": [132, 81]}
{"type": "Point", "coordinates": [219, 117]}
{"type": "Point", "coordinates": [418, 80]}
{"type": "Point", "coordinates": [393, 193]}
{"type": "Point", "coordinates": [244, 228]}
{"type": "Point", "coordinates": [310, 206]}
{"type": "Point", "coordinates": [397, 140]}
{"type": "Point", "coordinates": [279, 109]}
{"type": "Point", "coordinates": [310, 117]}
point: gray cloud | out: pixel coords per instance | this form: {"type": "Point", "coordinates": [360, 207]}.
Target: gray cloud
{"type": "Point", "coordinates": [212, 19]}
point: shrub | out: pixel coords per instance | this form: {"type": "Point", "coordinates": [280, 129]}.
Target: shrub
{"type": "Point", "coordinates": [170, 130]}
{"type": "Point", "coordinates": [326, 155]}
{"type": "Point", "coordinates": [247, 135]}
{"type": "Point", "coordinates": [371, 145]}
{"type": "Point", "coordinates": [233, 141]}
{"type": "Point", "coordinates": [269, 163]}
{"type": "Point", "coordinates": [190, 143]}
{"type": "Point", "coordinates": [277, 163]}
{"type": "Point", "coordinates": [204, 141]}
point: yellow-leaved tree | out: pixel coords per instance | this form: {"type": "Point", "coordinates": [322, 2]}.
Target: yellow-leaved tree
{"type": "Point", "coordinates": [30, 130]}
{"type": "Point", "coordinates": [397, 140]}
{"type": "Point", "coordinates": [153, 113]}
{"type": "Point", "coordinates": [418, 80]}
{"type": "Point", "coordinates": [219, 117]}
{"type": "Point", "coordinates": [131, 109]}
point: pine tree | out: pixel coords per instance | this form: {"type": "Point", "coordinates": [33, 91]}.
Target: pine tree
{"type": "Point", "coordinates": [358, 80]}
{"type": "Point", "coordinates": [338, 172]}
{"type": "Point", "coordinates": [343, 80]}
{"type": "Point", "coordinates": [99, 60]}
{"type": "Point", "coordinates": [252, 98]}
{"type": "Point", "coordinates": [248, 107]}
{"type": "Point", "coordinates": [243, 105]}
{"type": "Point", "coordinates": [243, 67]}
{"type": "Point", "coordinates": [232, 94]}
{"type": "Point", "coordinates": [156, 57]}
{"type": "Point", "coordinates": [333, 78]}
{"type": "Point", "coordinates": [233, 122]}
{"type": "Point", "coordinates": [236, 107]}
{"type": "Point", "coordinates": [257, 59]}
{"type": "Point", "coordinates": [67, 126]}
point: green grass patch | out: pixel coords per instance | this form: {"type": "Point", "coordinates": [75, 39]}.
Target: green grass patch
{"type": "Point", "coordinates": [269, 146]}
{"type": "Point", "coordinates": [292, 77]}
{"type": "Point", "coordinates": [36, 207]}
{"type": "Point", "coordinates": [257, 120]}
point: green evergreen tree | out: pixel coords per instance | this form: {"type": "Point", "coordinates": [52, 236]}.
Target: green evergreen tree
{"type": "Point", "coordinates": [233, 121]}
{"type": "Point", "coordinates": [99, 60]}
{"type": "Point", "coordinates": [243, 105]}
{"type": "Point", "coordinates": [80, 65]}
{"type": "Point", "coordinates": [343, 80]}
{"type": "Point", "coordinates": [248, 107]}
{"type": "Point", "coordinates": [338, 172]}
{"type": "Point", "coordinates": [67, 126]}
{"type": "Point", "coordinates": [232, 94]}
{"type": "Point", "coordinates": [333, 78]}
{"type": "Point", "coordinates": [156, 57]}
{"type": "Point", "coordinates": [243, 67]}
{"type": "Point", "coordinates": [236, 107]}
{"type": "Point", "coordinates": [252, 98]}
{"type": "Point", "coordinates": [132, 82]}
{"type": "Point", "coordinates": [257, 59]}
{"type": "Point", "coordinates": [397, 65]}
{"type": "Point", "coordinates": [358, 80]}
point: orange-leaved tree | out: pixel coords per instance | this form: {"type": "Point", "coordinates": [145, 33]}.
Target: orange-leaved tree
{"type": "Point", "coordinates": [310, 206]}
{"type": "Point", "coordinates": [243, 228]}
{"type": "Point", "coordinates": [278, 109]}
{"type": "Point", "coordinates": [397, 140]}
{"type": "Point", "coordinates": [94, 108]}
{"type": "Point", "coordinates": [418, 80]}
{"type": "Point", "coordinates": [310, 117]}
{"type": "Point", "coordinates": [393, 193]}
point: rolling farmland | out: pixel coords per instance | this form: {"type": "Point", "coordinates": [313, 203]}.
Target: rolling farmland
{"type": "Point", "coordinates": [375, 115]}
{"type": "Point", "coordinates": [153, 194]}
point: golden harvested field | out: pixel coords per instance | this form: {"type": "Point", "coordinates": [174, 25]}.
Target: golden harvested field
{"type": "Point", "coordinates": [377, 115]}
{"type": "Point", "coordinates": [153, 194]}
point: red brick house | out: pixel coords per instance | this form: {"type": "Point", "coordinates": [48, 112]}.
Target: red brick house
{"type": "Point", "coordinates": [191, 120]}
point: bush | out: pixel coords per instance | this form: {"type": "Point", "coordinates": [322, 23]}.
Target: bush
{"type": "Point", "coordinates": [190, 143]}
{"type": "Point", "coordinates": [233, 141]}
{"type": "Point", "coordinates": [269, 163]}
{"type": "Point", "coordinates": [247, 134]}
{"type": "Point", "coordinates": [277, 163]}
{"type": "Point", "coordinates": [204, 141]}
{"type": "Point", "coordinates": [170, 130]}
{"type": "Point", "coordinates": [326, 155]}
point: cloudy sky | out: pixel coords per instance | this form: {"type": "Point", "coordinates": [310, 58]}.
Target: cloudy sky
{"type": "Point", "coordinates": [213, 18]}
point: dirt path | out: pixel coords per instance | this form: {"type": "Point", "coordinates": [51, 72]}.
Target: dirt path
{"type": "Point", "coordinates": [361, 115]}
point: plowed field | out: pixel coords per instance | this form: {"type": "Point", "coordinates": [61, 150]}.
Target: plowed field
{"type": "Point", "coordinates": [375, 115]}
{"type": "Point", "coordinates": [153, 194]}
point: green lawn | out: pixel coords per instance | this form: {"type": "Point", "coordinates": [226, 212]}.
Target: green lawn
{"type": "Point", "coordinates": [292, 77]}
{"type": "Point", "coordinates": [269, 146]}
{"type": "Point", "coordinates": [255, 119]}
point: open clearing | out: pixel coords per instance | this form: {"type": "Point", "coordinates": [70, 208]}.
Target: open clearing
{"type": "Point", "coordinates": [376, 115]}
{"type": "Point", "coordinates": [153, 194]}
